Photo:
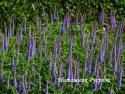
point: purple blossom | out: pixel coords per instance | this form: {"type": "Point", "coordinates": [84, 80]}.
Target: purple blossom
{"type": "Point", "coordinates": [81, 20]}
{"type": "Point", "coordinates": [60, 69]}
{"type": "Point", "coordinates": [15, 83]}
{"type": "Point", "coordinates": [32, 51]}
{"type": "Point", "coordinates": [3, 49]}
{"type": "Point", "coordinates": [90, 63]}
{"type": "Point", "coordinates": [101, 19]}
{"type": "Point", "coordinates": [28, 55]}
{"type": "Point", "coordinates": [115, 58]}
{"type": "Point", "coordinates": [54, 71]}
{"type": "Point", "coordinates": [1, 71]}
{"type": "Point", "coordinates": [62, 28]}
{"type": "Point", "coordinates": [120, 77]}
{"type": "Point", "coordinates": [5, 42]}
{"type": "Point", "coordinates": [39, 51]}
{"type": "Point", "coordinates": [23, 85]}
{"type": "Point", "coordinates": [82, 36]}
{"type": "Point", "coordinates": [67, 20]}
{"type": "Point", "coordinates": [68, 74]}
{"type": "Point", "coordinates": [18, 86]}
{"type": "Point", "coordinates": [50, 62]}
{"type": "Point", "coordinates": [112, 20]}
{"type": "Point", "coordinates": [46, 90]}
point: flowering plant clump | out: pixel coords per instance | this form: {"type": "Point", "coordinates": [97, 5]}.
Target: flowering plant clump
{"type": "Point", "coordinates": [57, 56]}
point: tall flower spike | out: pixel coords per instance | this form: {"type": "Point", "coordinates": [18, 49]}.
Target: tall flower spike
{"type": "Point", "coordinates": [55, 14]}
{"type": "Point", "coordinates": [68, 73]}
{"type": "Point", "coordinates": [90, 63]}
{"type": "Point", "coordinates": [63, 26]}
{"type": "Point", "coordinates": [15, 81]}
{"type": "Point", "coordinates": [32, 52]}
{"type": "Point", "coordinates": [70, 57]}
{"type": "Point", "coordinates": [60, 73]}
{"type": "Point", "coordinates": [115, 58]}
{"type": "Point", "coordinates": [101, 19]}
{"type": "Point", "coordinates": [76, 23]}
{"type": "Point", "coordinates": [1, 71]}
{"type": "Point", "coordinates": [120, 77]}
{"type": "Point", "coordinates": [54, 71]}
{"type": "Point", "coordinates": [5, 42]}
{"type": "Point", "coordinates": [8, 80]}
{"type": "Point", "coordinates": [40, 51]}
{"type": "Point", "coordinates": [23, 85]}
{"type": "Point", "coordinates": [3, 49]}
{"type": "Point", "coordinates": [50, 62]}
{"type": "Point", "coordinates": [82, 36]}
{"type": "Point", "coordinates": [19, 87]}
{"type": "Point", "coordinates": [60, 69]}
{"type": "Point", "coordinates": [28, 56]}
{"type": "Point", "coordinates": [110, 89]}
{"type": "Point", "coordinates": [112, 20]}
{"type": "Point", "coordinates": [81, 20]}
{"type": "Point", "coordinates": [67, 20]}
{"type": "Point", "coordinates": [46, 90]}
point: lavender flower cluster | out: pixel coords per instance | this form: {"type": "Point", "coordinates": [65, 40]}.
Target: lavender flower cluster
{"type": "Point", "coordinates": [88, 53]}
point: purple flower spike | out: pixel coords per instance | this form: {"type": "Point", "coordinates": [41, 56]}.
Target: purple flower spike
{"type": "Point", "coordinates": [54, 72]}
{"type": "Point", "coordinates": [63, 28]}
{"type": "Point", "coordinates": [120, 77]}
{"type": "Point", "coordinates": [3, 49]}
{"type": "Point", "coordinates": [60, 69]}
{"type": "Point", "coordinates": [112, 20]}
{"type": "Point", "coordinates": [68, 74]}
{"type": "Point", "coordinates": [1, 72]}
{"type": "Point", "coordinates": [5, 42]}
{"type": "Point", "coordinates": [67, 20]}
{"type": "Point", "coordinates": [81, 20]}
{"type": "Point", "coordinates": [50, 62]}
{"type": "Point", "coordinates": [46, 91]}
{"type": "Point", "coordinates": [28, 55]}
{"type": "Point", "coordinates": [15, 83]}
{"type": "Point", "coordinates": [82, 36]}
{"type": "Point", "coordinates": [101, 19]}
{"type": "Point", "coordinates": [39, 51]}
{"type": "Point", "coordinates": [115, 58]}
{"type": "Point", "coordinates": [23, 85]}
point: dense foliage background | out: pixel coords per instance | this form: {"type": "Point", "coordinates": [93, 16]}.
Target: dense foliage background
{"type": "Point", "coordinates": [31, 9]}
{"type": "Point", "coordinates": [60, 36]}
